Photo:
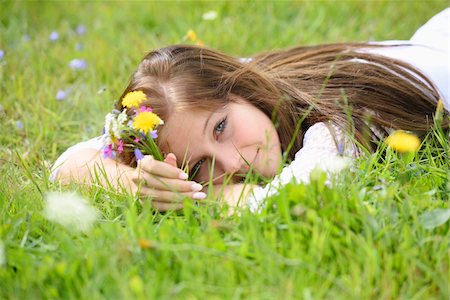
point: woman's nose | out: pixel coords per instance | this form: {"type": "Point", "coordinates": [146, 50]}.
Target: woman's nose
{"type": "Point", "coordinates": [231, 161]}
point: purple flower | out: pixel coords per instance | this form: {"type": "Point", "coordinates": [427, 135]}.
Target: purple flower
{"type": "Point", "coordinates": [81, 29]}
{"type": "Point", "coordinates": [108, 151]}
{"type": "Point", "coordinates": [78, 64]}
{"type": "Point", "coordinates": [79, 46]}
{"type": "Point", "coordinates": [19, 125]}
{"type": "Point", "coordinates": [2, 53]}
{"type": "Point", "coordinates": [54, 36]}
{"type": "Point", "coordinates": [153, 134]}
{"type": "Point", "coordinates": [138, 154]}
{"type": "Point", "coordinates": [61, 95]}
{"type": "Point", "coordinates": [340, 148]}
{"type": "Point", "coordinates": [26, 38]}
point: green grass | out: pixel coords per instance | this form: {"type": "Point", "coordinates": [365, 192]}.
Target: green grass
{"type": "Point", "coordinates": [369, 237]}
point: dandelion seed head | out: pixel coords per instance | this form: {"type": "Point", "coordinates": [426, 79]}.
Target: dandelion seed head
{"type": "Point", "coordinates": [209, 15]}
{"type": "Point", "coordinates": [70, 210]}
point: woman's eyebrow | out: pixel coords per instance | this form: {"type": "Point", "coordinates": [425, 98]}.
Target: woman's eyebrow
{"type": "Point", "coordinates": [206, 123]}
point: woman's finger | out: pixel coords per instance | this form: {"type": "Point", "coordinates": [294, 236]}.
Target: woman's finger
{"type": "Point", "coordinates": [168, 196]}
{"type": "Point", "coordinates": [163, 206]}
{"type": "Point", "coordinates": [166, 184]}
{"type": "Point", "coordinates": [160, 168]}
{"type": "Point", "coordinates": [171, 159]}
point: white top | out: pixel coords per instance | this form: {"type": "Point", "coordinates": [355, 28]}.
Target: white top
{"type": "Point", "coordinates": [428, 50]}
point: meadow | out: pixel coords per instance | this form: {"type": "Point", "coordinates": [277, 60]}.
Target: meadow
{"type": "Point", "coordinates": [381, 231]}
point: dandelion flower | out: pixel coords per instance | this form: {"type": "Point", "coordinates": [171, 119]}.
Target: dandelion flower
{"type": "Point", "coordinates": [403, 141]}
{"type": "Point", "coordinates": [70, 211]}
{"type": "Point", "coordinates": [133, 99]}
{"type": "Point", "coordinates": [191, 35]}
{"type": "Point", "coordinates": [146, 121]}
{"type": "Point", "coordinates": [440, 106]}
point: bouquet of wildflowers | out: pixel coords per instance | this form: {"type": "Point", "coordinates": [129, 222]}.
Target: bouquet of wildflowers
{"type": "Point", "coordinates": [134, 132]}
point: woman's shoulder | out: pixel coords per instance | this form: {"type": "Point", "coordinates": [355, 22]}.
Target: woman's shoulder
{"type": "Point", "coordinates": [327, 137]}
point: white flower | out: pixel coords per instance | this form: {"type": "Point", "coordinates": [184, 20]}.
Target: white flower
{"type": "Point", "coordinates": [70, 211]}
{"type": "Point", "coordinates": [108, 120]}
{"type": "Point", "coordinates": [209, 15]}
{"type": "Point", "coordinates": [2, 254]}
{"type": "Point", "coordinates": [123, 116]}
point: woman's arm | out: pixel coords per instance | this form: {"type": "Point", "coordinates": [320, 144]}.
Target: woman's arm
{"type": "Point", "coordinates": [328, 150]}
{"type": "Point", "coordinates": [159, 181]}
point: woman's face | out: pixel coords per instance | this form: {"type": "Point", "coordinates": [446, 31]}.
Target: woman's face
{"type": "Point", "coordinates": [235, 139]}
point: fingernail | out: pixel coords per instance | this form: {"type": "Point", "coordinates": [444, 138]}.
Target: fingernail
{"type": "Point", "coordinates": [196, 187]}
{"type": "Point", "coordinates": [199, 195]}
{"type": "Point", "coordinates": [183, 176]}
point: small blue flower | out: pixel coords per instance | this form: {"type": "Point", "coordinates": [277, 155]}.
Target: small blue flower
{"type": "Point", "coordinates": [26, 38]}
{"type": "Point", "coordinates": [340, 148]}
{"type": "Point", "coordinates": [78, 64]}
{"type": "Point", "coordinates": [138, 154]}
{"type": "Point", "coordinates": [54, 36]}
{"type": "Point", "coordinates": [19, 125]}
{"type": "Point", "coordinates": [61, 95]}
{"type": "Point", "coordinates": [81, 29]}
{"type": "Point", "coordinates": [2, 53]}
{"type": "Point", "coordinates": [153, 134]}
{"type": "Point", "coordinates": [79, 46]}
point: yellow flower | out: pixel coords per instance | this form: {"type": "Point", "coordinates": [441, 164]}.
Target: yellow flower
{"type": "Point", "coordinates": [133, 99]}
{"type": "Point", "coordinates": [146, 121]}
{"type": "Point", "coordinates": [191, 35]}
{"type": "Point", "coordinates": [440, 106]}
{"type": "Point", "coordinates": [403, 141]}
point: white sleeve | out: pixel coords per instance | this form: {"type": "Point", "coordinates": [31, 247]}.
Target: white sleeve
{"type": "Point", "coordinates": [95, 143]}
{"type": "Point", "coordinates": [322, 149]}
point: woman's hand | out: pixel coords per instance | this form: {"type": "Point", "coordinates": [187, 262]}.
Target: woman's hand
{"type": "Point", "coordinates": [235, 195]}
{"type": "Point", "coordinates": [164, 183]}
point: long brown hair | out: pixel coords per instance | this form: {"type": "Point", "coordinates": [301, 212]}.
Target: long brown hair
{"type": "Point", "coordinates": [335, 82]}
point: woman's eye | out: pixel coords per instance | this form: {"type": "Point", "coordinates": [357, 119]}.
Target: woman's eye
{"type": "Point", "coordinates": [220, 126]}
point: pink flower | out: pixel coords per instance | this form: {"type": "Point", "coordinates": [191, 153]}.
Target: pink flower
{"type": "Point", "coordinates": [108, 151]}
{"type": "Point", "coordinates": [145, 109]}
{"type": "Point", "coordinates": [120, 146]}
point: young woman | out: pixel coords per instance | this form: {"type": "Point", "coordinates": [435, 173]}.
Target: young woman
{"type": "Point", "coordinates": [224, 116]}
